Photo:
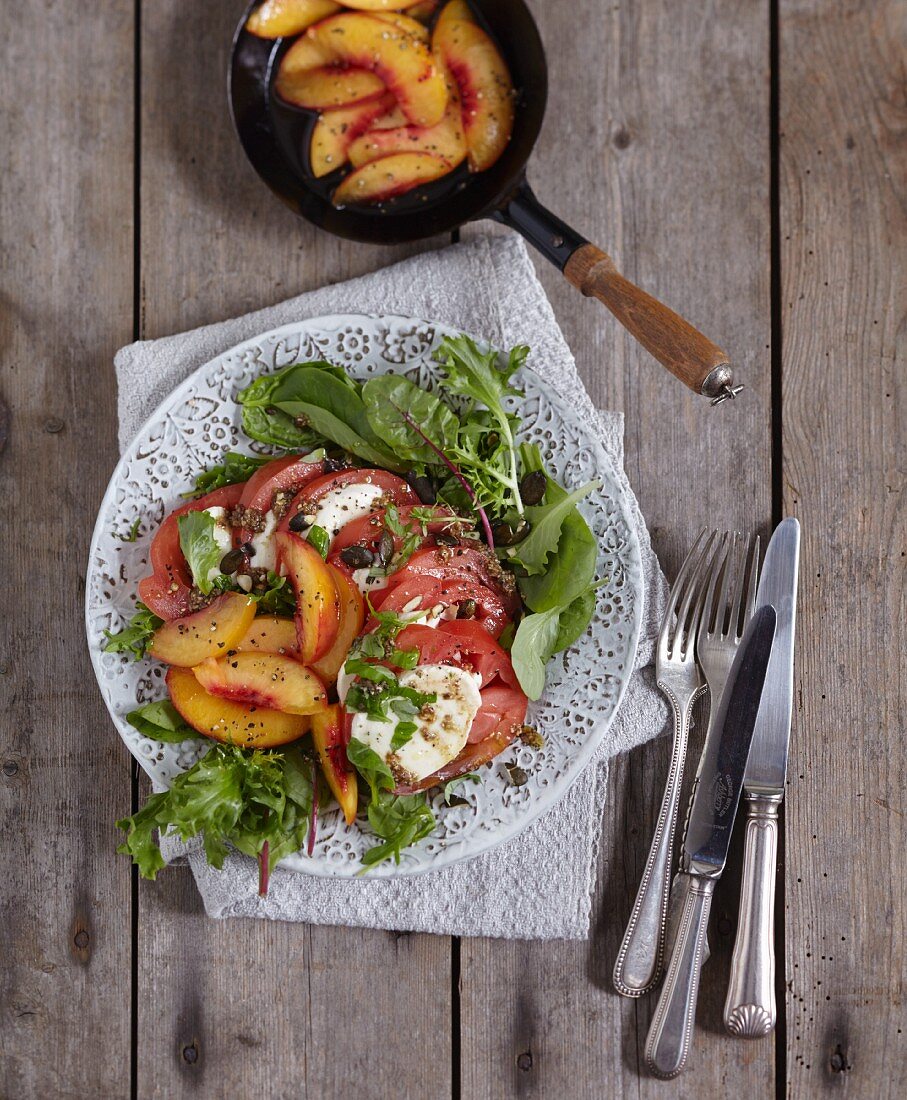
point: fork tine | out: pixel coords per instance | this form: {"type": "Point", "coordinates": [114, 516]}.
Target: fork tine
{"type": "Point", "coordinates": [679, 586]}
{"type": "Point", "coordinates": [740, 585]}
{"type": "Point", "coordinates": [727, 576]}
{"type": "Point", "coordinates": [719, 569]}
{"type": "Point", "coordinates": [750, 605]}
{"type": "Point", "coordinates": [687, 615]}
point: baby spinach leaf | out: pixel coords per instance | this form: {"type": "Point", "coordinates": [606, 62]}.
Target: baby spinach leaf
{"type": "Point", "coordinates": [199, 547]}
{"type": "Point", "coordinates": [532, 648]}
{"type": "Point", "coordinates": [387, 397]}
{"type": "Point", "coordinates": [546, 521]}
{"type": "Point", "coordinates": [161, 721]}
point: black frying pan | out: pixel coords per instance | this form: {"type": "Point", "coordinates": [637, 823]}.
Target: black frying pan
{"type": "Point", "coordinates": [275, 137]}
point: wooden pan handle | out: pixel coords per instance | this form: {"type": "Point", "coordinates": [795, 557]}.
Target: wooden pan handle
{"type": "Point", "coordinates": [689, 355]}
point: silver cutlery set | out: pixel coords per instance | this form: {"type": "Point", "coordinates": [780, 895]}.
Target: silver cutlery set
{"type": "Point", "coordinates": [728, 629]}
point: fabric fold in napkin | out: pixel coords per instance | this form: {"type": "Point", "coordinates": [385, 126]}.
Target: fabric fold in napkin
{"type": "Point", "coordinates": [539, 885]}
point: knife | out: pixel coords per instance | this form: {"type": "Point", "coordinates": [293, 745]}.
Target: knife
{"type": "Point", "coordinates": [749, 1010]}
{"type": "Point", "coordinates": [713, 807]}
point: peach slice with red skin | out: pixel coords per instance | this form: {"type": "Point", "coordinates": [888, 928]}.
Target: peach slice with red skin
{"type": "Point", "coordinates": [267, 680]}
{"type": "Point", "coordinates": [486, 90]}
{"type": "Point", "coordinates": [389, 176]}
{"type": "Point", "coordinates": [206, 633]}
{"type": "Point", "coordinates": [327, 737]}
{"type": "Point", "coordinates": [423, 10]}
{"type": "Point", "coordinates": [402, 62]}
{"type": "Point", "coordinates": [222, 720]}
{"type": "Point", "coordinates": [403, 23]}
{"type": "Point", "coordinates": [380, 5]}
{"type": "Point", "coordinates": [328, 87]}
{"type": "Point", "coordinates": [335, 131]}
{"type": "Point", "coordinates": [268, 634]}
{"type": "Point", "coordinates": [453, 11]}
{"type": "Point", "coordinates": [317, 602]}
{"type": "Point", "coordinates": [277, 18]}
{"type": "Point", "coordinates": [445, 140]}
{"type": "Point", "coordinates": [304, 55]}
{"type": "Point", "coordinates": [352, 619]}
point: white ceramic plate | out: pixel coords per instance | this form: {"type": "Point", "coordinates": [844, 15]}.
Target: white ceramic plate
{"type": "Point", "coordinates": [193, 428]}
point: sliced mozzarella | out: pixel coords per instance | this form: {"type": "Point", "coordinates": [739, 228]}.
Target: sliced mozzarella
{"type": "Point", "coordinates": [344, 504]}
{"type": "Point", "coordinates": [442, 726]}
{"type": "Point", "coordinates": [223, 536]}
{"type": "Point", "coordinates": [265, 556]}
{"type": "Point", "coordinates": [366, 583]}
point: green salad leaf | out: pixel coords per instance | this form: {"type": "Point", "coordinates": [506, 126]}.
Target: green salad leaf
{"type": "Point", "coordinates": [319, 538]}
{"type": "Point", "coordinates": [258, 801]}
{"type": "Point", "coordinates": [546, 521]}
{"type": "Point", "coordinates": [264, 422]}
{"type": "Point", "coordinates": [135, 636]}
{"type": "Point", "coordinates": [199, 547]}
{"type": "Point", "coordinates": [161, 721]}
{"type": "Point", "coordinates": [533, 646]}
{"type": "Point", "coordinates": [389, 399]}
{"type": "Point", "coordinates": [235, 468]}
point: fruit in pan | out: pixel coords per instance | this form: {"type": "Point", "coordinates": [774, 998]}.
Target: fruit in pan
{"type": "Point", "coordinates": [317, 602]}
{"type": "Point", "coordinates": [251, 727]}
{"type": "Point", "coordinates": [327, 737]}
{"type": "Point", "coordinates": [423, 10]}
{"type": "Point", "coordinates": [394, 175]}
{"type": "Point", "coordinates": [263, 680]}
{"type": "Point", "coordinates": [404, 23]}
{"type": "Point", "coordinates": [336, 130]}
{"type": "Point", "coordinates": [455, 10]}
{"type": "Point", "coordinates": [394, 117]}
{"type": "Point", "coordinates": [276, 18]}
{"type": "Point", "coordinates": [445, 140]}
{"type": "Point", "coordinates": [486, 90]}
{"type": "Point", "coordinates": [328, 87]}
{"type": "Point", "coordinates": [206, 633]}
{"type": "Point", "coordinates": [305, 54]}
{"type": "Point", "coordinates": [403, 63]}
{"type": "Point", "coordinates": [269, 634]}
{"type": "Point", "coordinates": [380, 5]}
{"type": "Point", "coordinates": [352, 617]}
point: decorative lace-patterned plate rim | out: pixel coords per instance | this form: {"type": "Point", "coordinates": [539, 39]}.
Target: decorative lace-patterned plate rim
{"type": "Point", "coordinates": [193, 427]}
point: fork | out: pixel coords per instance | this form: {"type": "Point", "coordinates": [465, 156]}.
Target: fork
{"type": "Point", "coordinates": [730, 600]}
{"type": "Point", "coordinates": [641, 956]}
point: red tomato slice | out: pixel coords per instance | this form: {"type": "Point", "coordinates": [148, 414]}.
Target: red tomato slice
{"type": "Point", "coordinates": [367, 531]}
{"type": "Point", "coordinates": [479, 650]}
{"type": "Point", "coordinates": [473, 756]}
{"type": "Point", "coordinates": [503, 710]}
{"type": "Point", "coordinates": [395, 488]}
{"type": "Point", "coordinates": [167, 590]}
{"type": "Point", "coordinates": [460, 563]}
{"type": "Point", "coordinates": [423, 591]}
{"type": "Point", "coordinates": [290, 473]}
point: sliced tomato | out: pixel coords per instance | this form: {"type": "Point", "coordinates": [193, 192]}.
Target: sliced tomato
{"type": "Point", "coordinates": [473, 756]}
{"type": "Point", "coordinates": [367, 530]}
{"type": "Point", "coordinates": [288, 474]}
{"type": "Point", "coordinates": [393, 487]}
{"type": "Point", "coordinates": [167, 590]}
{"type": "Point", "coordinates": [418, 593]}
{"type": "Point", "coordinates": [462, 563]}
{"type": "Point", "coordinates": [503, 711]}
{"type": "Point", "coordinates": [479, 651]}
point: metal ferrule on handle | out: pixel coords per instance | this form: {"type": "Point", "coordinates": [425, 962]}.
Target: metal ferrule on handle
{"type": "Point", "coordinates": [671, 1031]}
{"type": "Point", "coordinates": [641, 957]}
{"type": "Point", "coordinates": [749, 1011]}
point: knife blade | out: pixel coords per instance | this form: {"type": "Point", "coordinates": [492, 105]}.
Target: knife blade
{"type": "Point", "coordinates": [707, 838]}
{"type": "Point", "coordinates": [749, 1010]}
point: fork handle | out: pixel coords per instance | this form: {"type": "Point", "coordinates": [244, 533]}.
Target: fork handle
{"type": "Point", "coordinates": [749, 1011]}
{"type": "Point", "coordinates": [641, 957]}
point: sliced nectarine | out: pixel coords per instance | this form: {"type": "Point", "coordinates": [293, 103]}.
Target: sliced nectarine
{"type": "Point", "coordinates": [206, 633]}
{"type": "Point", "coordinates": [379, 5]}
{"type": "Point", "coordinates": [304, 55]}
{"type": "Point", "coordinates": [263, 680]}
{"type": "Point", "coordinates": [276, 18]}
{"type": "Point", "coordinates": [455, 10]}
{"type": "Point", "coordinates": [352, 619]}
{"type": "Point", "coordinates": [250, 727]}
{"type": "Point", "coordinates": [327, 737]}
{"type": "Point", "coordinates": [423, 10]}
{"type": "Point", "coordinates": [268, 634]}
{"type": "Point", "coordinates": [335, 131]}
{"type": "Point", "coordinates": [404, 23]}
{"type": "Point", "coordinates": [317, 602]}
{"type": "Point", "coordinates": [394, 117]}
{"type": "Point", "coordinates": [402, 62]}
{"type": "Point", "coordinates": [328, 87]}
{"type": "Point", "coordinates": [394, 175]}
{"type": "Point", "coordinates": [445, 140]}
{"type": "Point", "coordinates": [486, 90]}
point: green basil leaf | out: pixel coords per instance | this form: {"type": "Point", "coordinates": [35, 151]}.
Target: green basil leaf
{"type": "Point", "coordinates": [403, 734]}
{"type": "Point", "coordinates": [388, 397]}
{"type": "Point", "coordinates": [199, 547]}
{"type": "Point", "coordinates": [369, 765]}
{"type": "Point", "coordinates": [320, 539]}
{"type": "Point", "coordinates": [234, 469]}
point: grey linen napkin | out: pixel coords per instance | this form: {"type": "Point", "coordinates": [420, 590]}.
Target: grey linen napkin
{"type": "Point", "coordinates": [539, 885]}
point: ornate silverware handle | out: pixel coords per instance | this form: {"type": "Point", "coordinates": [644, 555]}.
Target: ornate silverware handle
{"type": "Point", "coordinates": [749, 1010]}
{"type": "Point", "coordinates": [641, 956]}
{"type": "Point", "coordinates": [668, 1041]}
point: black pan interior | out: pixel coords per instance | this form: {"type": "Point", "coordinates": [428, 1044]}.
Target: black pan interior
{"type": "Point", "coordinates": [275, 138]}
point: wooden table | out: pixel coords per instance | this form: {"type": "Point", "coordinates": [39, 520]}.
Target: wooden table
{"type": "Point", "coordinates": [743, 160]}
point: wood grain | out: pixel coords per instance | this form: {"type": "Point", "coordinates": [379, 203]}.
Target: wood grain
{"type": "Point", "coordinates": [844, 244]}
{"type": "Point", "coordinates": [65, 306]}
{"type": "Point", "coordinates": [652, 175]}
{"type": "Point", "coordinates": [252, 1007]}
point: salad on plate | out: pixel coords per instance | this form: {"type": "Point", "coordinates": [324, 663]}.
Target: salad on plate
{"type": "Point", "coordinates": [360, 616]}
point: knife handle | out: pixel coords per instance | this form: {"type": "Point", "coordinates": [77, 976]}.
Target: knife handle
{"type": "Point", "coordinates": [671, 1031]}
{"type": "Point", "coordinates": [749, 1011]}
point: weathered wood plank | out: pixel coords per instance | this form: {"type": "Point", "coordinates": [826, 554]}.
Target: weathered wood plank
{"type": "Point", "coordinates": [656, 146]}
{"type": "Point", "coordinates": [252, 1007]}
{"type": "Point", "coordinates": [66, 103]}
{"type": "Point", "coordinates": [844, 242]}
